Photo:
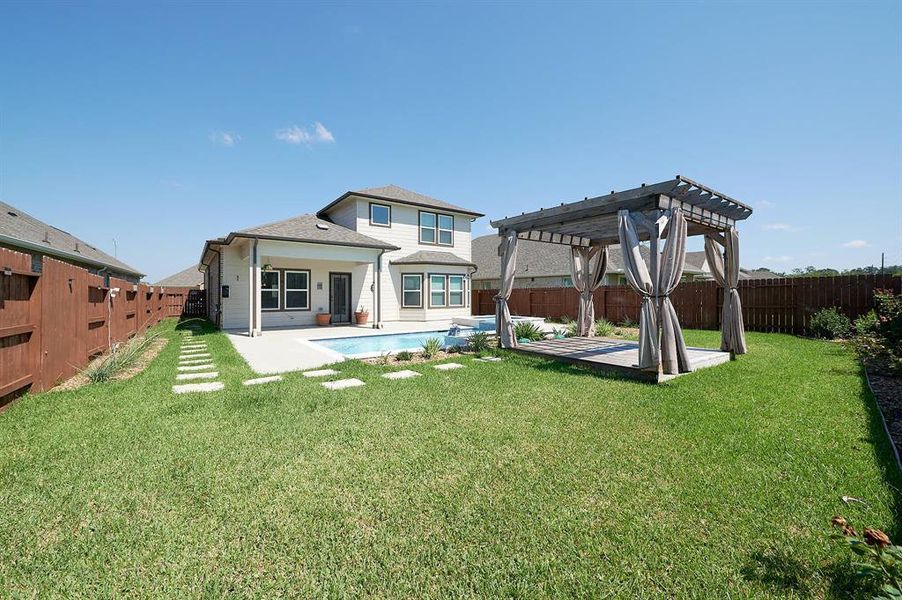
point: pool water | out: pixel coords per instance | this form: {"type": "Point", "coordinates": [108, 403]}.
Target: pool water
{"type": "Point", "coordinates": [395, 342]}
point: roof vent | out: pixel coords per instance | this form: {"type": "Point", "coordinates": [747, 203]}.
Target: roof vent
{"type": "Point", "coordinates": [322, 226]}
{"type": "Point", "coordinates": [11, 213]}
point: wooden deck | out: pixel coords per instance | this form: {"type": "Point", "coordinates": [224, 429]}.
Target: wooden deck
{"type": "Point", "coordinates": [614, 356]}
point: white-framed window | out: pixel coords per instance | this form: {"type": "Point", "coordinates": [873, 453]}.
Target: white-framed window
{"type": "Point", "coordinates": [455, 290]}
{"type": "Point", "coordinates": [412, 290]}
{"type": "Point", "coordinates": [427, 227]}
{"type": "Point", "coordinates": [445, 230]}
{"type": "Point", "coordinates": [297, 290]}
{"type": "Point", "coordinates": [437, 290]}
{"type": "Point", "coordinates": [380, 215]}
{"type": "Point", "coordinates": [436, 228]}
{"type": "Point", "coordinates": [269, 290]}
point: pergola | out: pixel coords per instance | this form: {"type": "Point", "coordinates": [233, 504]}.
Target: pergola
{"type": "Point", "coordinates": [669, 211]}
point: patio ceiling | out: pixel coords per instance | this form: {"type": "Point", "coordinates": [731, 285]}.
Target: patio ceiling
{"type": "Point", "coordinates": [595, 221]}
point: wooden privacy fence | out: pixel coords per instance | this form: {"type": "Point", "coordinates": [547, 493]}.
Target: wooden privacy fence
{"type": "Point", "coordinates": [772, 305]}
{"type": "Point", "coordinates": [54, 317]}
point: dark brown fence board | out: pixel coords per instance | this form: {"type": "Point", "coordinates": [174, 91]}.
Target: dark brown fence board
{"type": "Point", "coordinates": [52, 320]}
{"type": "Point", "coordinates": [770, 305]}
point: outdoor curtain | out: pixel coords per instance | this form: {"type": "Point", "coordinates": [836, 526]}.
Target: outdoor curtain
{"type": "Point", "coordinates": [732, 329]}
{"type": "Point", "coordinates": [586, 277]}
{"type": "Point", "coordinates": [670, 351]}
{"type": "Point", "coordinates": [504, 326]}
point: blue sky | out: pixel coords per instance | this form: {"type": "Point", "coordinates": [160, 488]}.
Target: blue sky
{"type": "Point", "coordinates": [164, 125]}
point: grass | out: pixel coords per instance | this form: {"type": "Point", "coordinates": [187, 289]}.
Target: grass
{"type": "Point", "coordinates": [523, 478]}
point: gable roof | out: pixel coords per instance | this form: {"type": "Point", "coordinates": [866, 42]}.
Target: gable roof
{"type": "Point", "coordinates": [190, 277]}
{"type": "Point", "coordinates": [432, 257]}
{"type": "Point", "coordinates": [540, 259]}
{"type": "Point", "coordinates": [394, 193]}
{"type": "Point", "coordinates": [17, 228]}
{"type": "Point", "coordinates": [310, 228]}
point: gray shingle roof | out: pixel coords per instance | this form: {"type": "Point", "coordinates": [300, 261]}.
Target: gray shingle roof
{"type": "Point", "coordinates": [539, 259]}
{"type": "Point", "coordinates": [404, 196]}
{"type": "Point", "coordinates": [190, 277]}
{"type": "Point", "coordinates": [431, 257]}
{"type": "Point", "coordinates": [309, 228]}
{"type": "Point", "coordinates": [18, 225]}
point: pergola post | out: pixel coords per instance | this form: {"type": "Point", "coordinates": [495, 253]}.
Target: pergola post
{"type": "Point", "coordinates": [504, 326]}
{"type": "Point", "coordinates": [725, 270]}
{"type": "Point", "coordinates": [586, 277]}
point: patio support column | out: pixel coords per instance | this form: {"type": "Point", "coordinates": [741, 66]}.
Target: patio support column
{"type": "Point", "coordinates": [504, 326]}
{"type": "Point", "coordinates": [256, 314]}
{"type": "Point", "coordinates": [725, 270]}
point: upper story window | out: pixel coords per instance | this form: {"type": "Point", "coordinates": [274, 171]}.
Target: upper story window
{"type": "Point", "coordinates": [380, 215]}
{"type": "Point", "coordinates": [436, 228]}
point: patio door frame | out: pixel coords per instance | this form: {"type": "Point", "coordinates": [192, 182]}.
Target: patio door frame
{"type": "Point", "coordinates": [350, 314]}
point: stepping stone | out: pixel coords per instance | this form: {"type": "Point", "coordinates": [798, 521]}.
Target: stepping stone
{"type": "Point", "coordinates": [260, 380]}
{"type": "Point", "coordinates": [186, 388]}
{"type": "Point", "coordinates": [210, 375]}
{"type": "Point", "coordinates": [341, 384]}
{"type": "Point", "coordinates": [197, 351]}
{"type": "Point", "coordinates": [488, 359]}
{"type": "Point", "coordinates": [195, 367]}
{"type": "Point", "coordinates": [320, 373]}
{"type": "Point", "coordinates": [405, 374]}
{"type": "Point", "coordinates": [194, 347]}
{"type": "Point", "coordinates": [448, 366]}
{"type": "Point", "coordinates": [194, 361]}
{"type": "Point", "coordinates": [195, 355]}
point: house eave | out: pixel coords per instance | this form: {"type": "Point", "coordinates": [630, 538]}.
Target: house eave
{"type": "Point", "coordinates": [73, 256]}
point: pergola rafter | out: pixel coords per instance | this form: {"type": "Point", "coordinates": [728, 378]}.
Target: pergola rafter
{"type": "Point", "coordinates": [649, 213]}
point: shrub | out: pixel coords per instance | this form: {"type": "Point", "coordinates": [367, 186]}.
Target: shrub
{"type": "Point", "coordinates": [431, 347]}
{"type": "Point", "coordinates": [403, 355]}
{"type": "Point", "coordinates": [527, 330]}
{"type": "Point", "coordinates": [628, 323]}
{"type": "Point", "coordinates": [454, 349]}
{"type": "Point", "coordinates": [121, 357]}
{"type": "Point", "coordinates": [878, 342]}
{"type": "Point", "coordinates": [830, 324]}
{"type": "Point", "coordinates": [878, 561]}
{"type": "Point", "coordinates": [604, 328]}
{"type": "Point", "coordinates": [479, 341]}
{"type": "Point", "coordinates": [866, 323]}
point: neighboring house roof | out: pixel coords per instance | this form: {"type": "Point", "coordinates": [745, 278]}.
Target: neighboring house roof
{"type": "Point", "coordinates": [757, 274]}
{"type": "Point", "coordinates": [398, 194]}
{"type": "Point", "coordinates": [190, 277]}
{"type": "Point", "coordinates": [540, 259]}
{"type": "Point", "coordinates": [696, 262]}
{"type": "Point", "coordinates": [430, 257]}
{"type": "Point", "coordinates": [20, 229]}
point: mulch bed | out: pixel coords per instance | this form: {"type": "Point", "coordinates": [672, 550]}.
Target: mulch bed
{"type": "Point", "coordinates": [415, 360]}
{"type": "Point", "coordinates": [888, 392]}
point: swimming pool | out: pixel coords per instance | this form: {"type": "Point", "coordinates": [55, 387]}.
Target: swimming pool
{"type": "Point", "coordinates": [375, 345]}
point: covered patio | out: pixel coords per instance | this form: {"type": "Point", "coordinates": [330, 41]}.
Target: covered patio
{"type": "Point", "coordinates": [662, 214]}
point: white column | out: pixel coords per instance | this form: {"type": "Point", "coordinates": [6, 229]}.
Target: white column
{"type": "Point", "coordinates": [256, 314]}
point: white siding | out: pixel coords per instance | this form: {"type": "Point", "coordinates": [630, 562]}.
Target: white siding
{"type": "Point", "coordinates": [405, 233]}
{"type": "Point", "coordinates": [345, 214]}
{"type": "Point", "coordinates": [319, 259]}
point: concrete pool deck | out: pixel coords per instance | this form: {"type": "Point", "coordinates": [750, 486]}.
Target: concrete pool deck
{"type": "Point", "coordinates": [285, 350]}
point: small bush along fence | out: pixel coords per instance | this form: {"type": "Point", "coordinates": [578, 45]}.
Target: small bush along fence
{"type": "Point", "coordinates": [54, 317]}
{"type": "Point", "coordinates": [771, 305]}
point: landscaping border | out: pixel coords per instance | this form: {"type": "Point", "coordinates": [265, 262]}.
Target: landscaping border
{"type": "Point", "coordinates": [889, 434]}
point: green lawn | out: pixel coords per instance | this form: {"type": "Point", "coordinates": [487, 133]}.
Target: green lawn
{"type": "Point", "coordinates": [521, 479]}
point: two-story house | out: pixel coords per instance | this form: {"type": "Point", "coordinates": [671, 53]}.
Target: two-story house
{"type": "Point", "coordinates": [397, 254]}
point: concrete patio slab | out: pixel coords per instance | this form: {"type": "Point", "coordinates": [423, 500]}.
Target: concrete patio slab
{"type": "Point", "coordinates": [261, 380]}
{"type": "Point", "coordinates": [448, 366]}
{"type": "Point", "coordinates": [320, 373]}
{"type": "Point", "coordinates": [405, 374]}
{"type": "Point", "coordinates": [289, 349]}
{"type": "Point", "coordinates": [210, 375]}
{"type": "Point", "coordinates": [186, 388]}
{"type": "Point", "coordinates": [341, 384]}
{"type": "Point", "coordinates": [204, 367]}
